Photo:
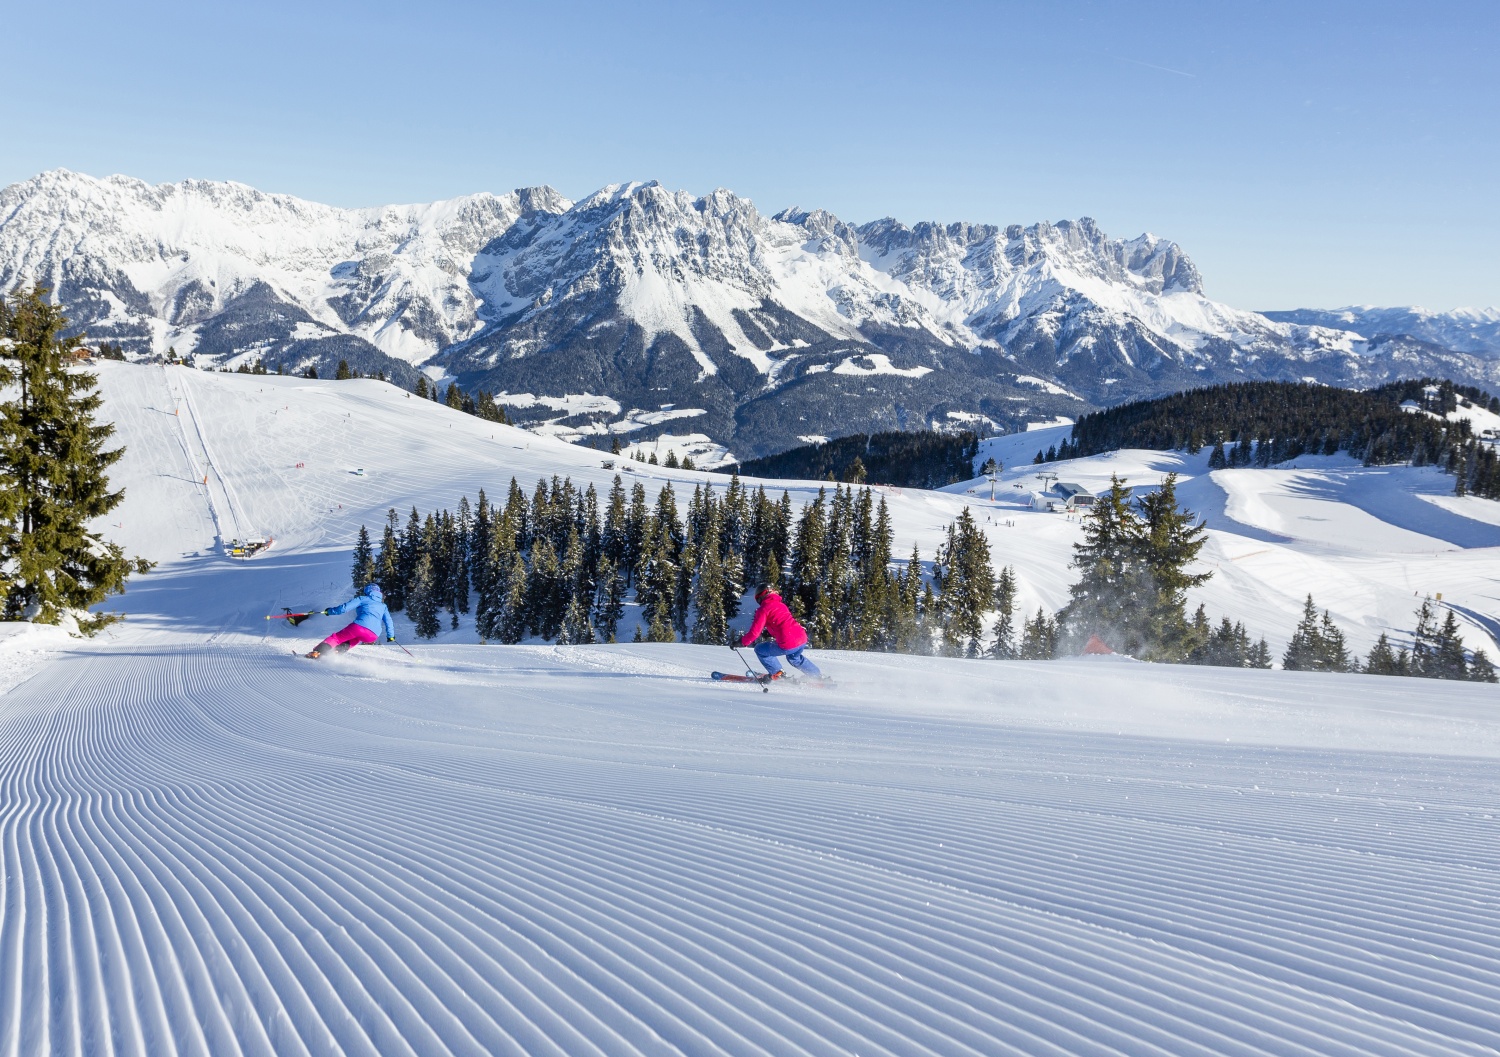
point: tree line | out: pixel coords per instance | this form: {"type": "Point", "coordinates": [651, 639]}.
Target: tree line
{"type": "Point", "coordinates": [1437, 649]}
{"type": "Point", "coordinates": [564, 563]}
{"type": "Point", "coordinates": [1263, 423]}
{"type": "Point", "coordinates": [915, 459]}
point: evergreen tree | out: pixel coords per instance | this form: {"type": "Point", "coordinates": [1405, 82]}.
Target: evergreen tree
{"type": "Point", "coordinates": [905, 625]}
{"type": "Point", "coordinates": [612, 541]}
{"type": "Point", "coordinates": [711, 625]}
{"type": "Point", "coordinates": [342, 374]}
{"type": "Point", "coordinates": [1333, 651]}
{"type": "Point", "coordinates": [660, 628]}
{"type": "Point", "coordinates": [388, 564]}
{"type": "Point", "coordinates": [546, 595]}
{"type": "Point", "coordinates": [575, 629]}
{"type": "Point", "coordinates": [481, 567]}
{"type": "Point", "coordinates": [492, 608]}
{"type": "Point", "coordinates": [1039, 638]}
{"type": "Point", "coordinates": [423, 599]}
{"type": "Point", "coordinates": [1004, 631]}
{"type": "Point", "coordinates": [656, 584]}
{"type": "Point", "coordinates": [1302, 651]}
{"type": "Point", "coordinates": [1480, 669]}
{"type": "Point", "coordinates": [1114, 586]}
{"type": "Point", "coordinates": [805, 582]}
{"type": "Point", "coordinates": [1447, 659]}
{"type": "Point", "coordinates": [877, 590]}
{"type": "Point", "coordinates": [52, 474]}
{"type": "Point", "coordinates": [578, 589]}
{"type": "Point", "coordinates": [511, 620]}
{"type": "Point", "coordinates": [411, 547]}
{"type": "Point", "coordinates": [637, 525]}
{"type": "Point", "coordinates": [592, 534]}
{"type": "Point", "coordinates": [363, 570]}
{"type": "Point", "coordinates": [1170, 542]}
{"type": "Point", "coordinates": [1203, 633]}
{"type": "Point", "coordinates": [967, 582]}
{"type": "Point", "coordinates": [609, 600]}
{"type": "Point", "coordinates": [1382, 659]}
{"type": "Point", "coordinates": [458, 567]}
{"type": "Point", "coordinates": [1317, 645]}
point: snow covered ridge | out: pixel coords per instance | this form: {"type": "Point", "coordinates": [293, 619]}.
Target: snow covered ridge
{"type": "Point", "coordinates": [1475, 330]}
{"type": "Point", "coordinates": [647, 296]}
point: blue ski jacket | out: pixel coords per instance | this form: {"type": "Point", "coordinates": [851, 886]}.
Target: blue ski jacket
{"type": "Point", "coordinates": [369, 611]}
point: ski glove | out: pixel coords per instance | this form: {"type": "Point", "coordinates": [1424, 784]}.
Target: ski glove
{"type": "Point", "coordinates": [325, 612]}
{"type": "Point", "coordinates": [391, 639]}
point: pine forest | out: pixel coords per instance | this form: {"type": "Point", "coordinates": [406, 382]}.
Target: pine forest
{"type": "Point", "coordinates": [569, 566]}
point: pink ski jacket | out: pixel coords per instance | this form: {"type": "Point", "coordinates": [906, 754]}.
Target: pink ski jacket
{"type": "Point", "coordinates": [775, 617]}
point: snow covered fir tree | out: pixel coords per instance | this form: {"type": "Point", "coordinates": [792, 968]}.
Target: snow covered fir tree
{"type": "Point", "coordinates": [53, 566]}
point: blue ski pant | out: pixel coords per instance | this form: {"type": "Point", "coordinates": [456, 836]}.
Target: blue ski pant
{"type": "Point", "coordinates": [768, 652]}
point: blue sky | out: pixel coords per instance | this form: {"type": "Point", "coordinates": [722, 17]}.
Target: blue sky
{"type": "Point", "coordinates": [1304, 154]}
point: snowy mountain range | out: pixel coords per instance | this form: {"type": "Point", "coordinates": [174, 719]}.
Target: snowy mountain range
{"type": "Point", "coordinates": [637, 307]}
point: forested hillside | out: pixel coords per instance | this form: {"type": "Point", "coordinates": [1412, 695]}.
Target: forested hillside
{"type": "Point", "coordinates": [1263, 423]}
{"type": "Point", "coordinates": [918, 459]}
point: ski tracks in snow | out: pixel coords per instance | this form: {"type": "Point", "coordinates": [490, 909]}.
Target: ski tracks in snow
{"type": "Point", "coordinates": [222, 851]}
{"type": "Point", "coordinates": [218, 492]}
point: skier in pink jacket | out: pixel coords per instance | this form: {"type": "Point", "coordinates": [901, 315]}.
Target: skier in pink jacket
{"type": "Point", "coordinates": [788, 638]}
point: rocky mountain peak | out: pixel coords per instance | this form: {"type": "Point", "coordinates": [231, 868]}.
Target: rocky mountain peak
{"type": "Point", "coordinates": [642, 296]}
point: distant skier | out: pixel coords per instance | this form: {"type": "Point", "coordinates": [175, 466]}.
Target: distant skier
{"type": "Point", "coordinates": [370, 618]}
{"type": "Point", "coordinates": [788, 638]}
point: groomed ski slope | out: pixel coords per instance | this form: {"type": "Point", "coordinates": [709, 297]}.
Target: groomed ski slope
{"type": "Point", "coordinates": [211, 846]}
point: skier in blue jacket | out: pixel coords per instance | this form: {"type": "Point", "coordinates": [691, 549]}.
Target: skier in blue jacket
{"type": "Point", "coordinates": [370, 618]}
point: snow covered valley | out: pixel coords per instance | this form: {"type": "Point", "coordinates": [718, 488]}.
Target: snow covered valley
{"type": "Point", "coordinates": [212, 846]}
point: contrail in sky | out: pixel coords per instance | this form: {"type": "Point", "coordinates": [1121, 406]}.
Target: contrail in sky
{"type": "Point", "coordinates": [1153, 66]}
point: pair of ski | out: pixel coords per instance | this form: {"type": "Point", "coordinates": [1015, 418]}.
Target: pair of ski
{"type": "Point", "coordinates": [765, 681]}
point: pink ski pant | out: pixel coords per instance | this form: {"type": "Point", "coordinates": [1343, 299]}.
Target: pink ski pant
{"type": "Point", "coordinates": [354, 635]}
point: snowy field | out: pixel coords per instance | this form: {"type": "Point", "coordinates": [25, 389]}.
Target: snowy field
{"type": "Point", "coordinates": [212, 846]}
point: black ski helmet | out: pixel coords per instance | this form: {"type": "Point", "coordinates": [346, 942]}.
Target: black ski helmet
{"type": "Point", "coordinates": [762, 590]}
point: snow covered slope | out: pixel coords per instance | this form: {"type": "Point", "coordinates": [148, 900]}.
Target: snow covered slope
{"type": "Point", "coordinates": [1369, 543]}
{"type": "Point", "coordinates": [208, 845]}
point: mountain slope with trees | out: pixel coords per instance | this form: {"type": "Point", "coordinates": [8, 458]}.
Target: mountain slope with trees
{"type": "Point", "coordinates": [918, 459]}
{"type": "Point", "coordinates": [1264, 423]}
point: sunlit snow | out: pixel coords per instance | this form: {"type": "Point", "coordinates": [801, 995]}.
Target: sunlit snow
{"type": "Point", "coordinates": [210, 845]}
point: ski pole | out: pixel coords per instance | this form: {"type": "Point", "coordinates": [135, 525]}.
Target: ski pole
{"type": "Point", "coordinates": [765, 686]}
{"type": "Point", "coordinates": [741, 657]}
{"type": "Point", "coordinates": [405, 650]}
